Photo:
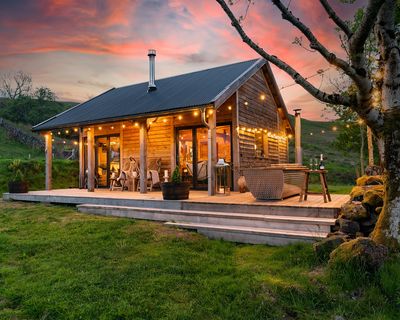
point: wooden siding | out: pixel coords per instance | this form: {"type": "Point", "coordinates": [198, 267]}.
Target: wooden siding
{"type": "Point", "coordinates": [158, 144]}
{"type": "Point", "coordinates": [255, 115]}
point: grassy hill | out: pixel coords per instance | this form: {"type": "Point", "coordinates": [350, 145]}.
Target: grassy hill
{"type": "Point", "coordinates": [318, 137]}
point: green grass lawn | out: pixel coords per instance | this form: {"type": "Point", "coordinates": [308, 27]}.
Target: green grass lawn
{"type": "Point", "coordinates": [338, 188]}
{"type": "Point", "coordinates": [58, 264]}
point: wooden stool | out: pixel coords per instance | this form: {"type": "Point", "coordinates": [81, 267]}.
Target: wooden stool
{"type": "Point", "coordinates": [324, 185]}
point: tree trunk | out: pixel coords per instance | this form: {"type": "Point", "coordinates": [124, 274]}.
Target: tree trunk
{"type": "Point", "coordinates": [381, 150]}
{"type": "Point", "coordinates": [370, 147]}
{"type": "Point", "coordinates": [362, 150]}
{"type": "Point", "coordinates": [387, 230]}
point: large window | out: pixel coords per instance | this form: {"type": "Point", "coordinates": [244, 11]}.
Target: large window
{"type": "Point", "coordinates": [261, 144]}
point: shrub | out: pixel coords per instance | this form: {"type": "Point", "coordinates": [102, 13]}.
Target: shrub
{"type": "Point", "coordinates": [176, 176]}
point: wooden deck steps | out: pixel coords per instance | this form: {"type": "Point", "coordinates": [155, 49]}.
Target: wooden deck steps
{"type": "Point", "coordinates": [274, 237]}
{"type": "Point", "coordinates": [240, 227]}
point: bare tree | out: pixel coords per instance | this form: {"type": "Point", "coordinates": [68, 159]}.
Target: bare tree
{"type": "Point", "coordinates": [15, 85]}
{"type": "Point", "coordinates": [383, 119]}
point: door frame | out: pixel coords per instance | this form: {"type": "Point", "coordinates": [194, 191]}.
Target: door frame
{"type": "Point", "coordinates": [195, 147]}
{"type": "Point", "coordinates": [96, 157]}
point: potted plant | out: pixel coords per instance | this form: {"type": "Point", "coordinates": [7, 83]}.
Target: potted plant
{"type": "Point", "coordinates": [17, 184]}
{"type": "Point", "coordinates": [176, 189]}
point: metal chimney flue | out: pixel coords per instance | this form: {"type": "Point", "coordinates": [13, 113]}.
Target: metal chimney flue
{"type": "Point", "coordinates": [152, 67]}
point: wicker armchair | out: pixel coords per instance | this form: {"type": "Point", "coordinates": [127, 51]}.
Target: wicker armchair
{"type": "Point", "coordinates": [276, 182]}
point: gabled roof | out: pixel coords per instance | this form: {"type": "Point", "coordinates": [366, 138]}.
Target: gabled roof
{"type": "Point", "coordinates": [196, 89]}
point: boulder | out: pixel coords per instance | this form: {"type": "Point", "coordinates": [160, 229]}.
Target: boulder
{"type": "Point", "coordinates": [373, 197]}
{"type": "Point", "coordinates": [354, 211]}
{"type": "Point", "coordinates": [367, 226]}
{"type": "Point", "coordinates": [357, 194]}
{"type": "Point", "coordinates": [369, 181]}
{"type": "Point", "coordinates": [324, 247]}
{"type": "Point", "coordinates": [348, 226]}
{"type": "Point", "coordinates": [362, 253]}
{"type": "Point", "coordinates": [378, 210]}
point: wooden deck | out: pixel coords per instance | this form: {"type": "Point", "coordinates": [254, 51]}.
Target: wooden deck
{"type": "Point", "coordinates": [244, 202]}
{"type": "Point", "coordinates": [238, 217]}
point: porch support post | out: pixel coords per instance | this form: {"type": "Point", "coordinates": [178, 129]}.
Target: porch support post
{"type": "Point", "coordinates": [81, 160]}
{"type": "Point", "coordinates": [49, 159]}
{"type": "Point", "coordinates": [297, 133]}
{"type": "Point", "coordinates": [212, 151]}
{"type": "Point", "coordinates": [90, 159]}
{"type": "Point", "coordinates": [143, 156]}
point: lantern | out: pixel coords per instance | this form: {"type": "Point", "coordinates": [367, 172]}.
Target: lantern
{"type": "Point", "coordinates": [222, 178]}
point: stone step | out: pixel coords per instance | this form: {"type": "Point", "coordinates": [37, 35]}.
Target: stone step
{"type": "Point", "coordinates": [310, 224]}
{"type": "Point", "coordinates": [274, 237]}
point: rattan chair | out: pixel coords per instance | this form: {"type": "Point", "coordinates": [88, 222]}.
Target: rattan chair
{"type": "Point", "coordinates": [275, 182]}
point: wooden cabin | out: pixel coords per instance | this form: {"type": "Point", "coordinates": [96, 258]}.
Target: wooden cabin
{"type": "Point", "coordinates": [234, 112]}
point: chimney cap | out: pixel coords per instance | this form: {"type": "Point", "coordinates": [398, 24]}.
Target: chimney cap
{"type": "Point", "coordinates": [152, 52]}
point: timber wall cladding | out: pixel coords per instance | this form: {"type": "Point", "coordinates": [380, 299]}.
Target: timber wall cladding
{"type": "Point", "coordinates": [158, 143]}
{"type": "Point", "coordinates": [263, 114]}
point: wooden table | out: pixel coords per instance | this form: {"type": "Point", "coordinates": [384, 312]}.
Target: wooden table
{"type": "Point", "coordinates": [324, 185]}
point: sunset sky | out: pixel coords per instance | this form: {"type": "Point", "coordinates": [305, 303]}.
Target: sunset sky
{"type": "Point", "coordinates": [80, 48]}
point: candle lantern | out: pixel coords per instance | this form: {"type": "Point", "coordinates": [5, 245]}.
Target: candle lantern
{"type": "Point", "coordinates": [222, 178]}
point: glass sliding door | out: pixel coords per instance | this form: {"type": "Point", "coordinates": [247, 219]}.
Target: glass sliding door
{"type": "Point", "coordinates": [107, 158]}
{"type": "Point", "coordinates": [202, 158]}
{"type": "Point", "coordinates": [185, 154]}
{"type": "Point", "coordinates": [192, 152]}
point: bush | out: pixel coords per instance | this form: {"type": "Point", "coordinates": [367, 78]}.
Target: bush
{"type": "Point", "coordinates": [65, 173]}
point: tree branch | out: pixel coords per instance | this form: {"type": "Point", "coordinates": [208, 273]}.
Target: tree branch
{"type": "Point", "coordinates": [314, 43]}
{"type": "Point", "coordinates": [339, 22]}
{"type": "Point", "coordinates": [333, 98]}
{"type": "Point", "coordinates": [357, 41]}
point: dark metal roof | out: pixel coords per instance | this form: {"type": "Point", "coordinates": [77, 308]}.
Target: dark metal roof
{"type": "Point", "coordinates": [179, 92]}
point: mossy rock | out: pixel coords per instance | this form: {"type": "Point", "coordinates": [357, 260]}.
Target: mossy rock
{"type": "Point", "coordinates": [374, 197]}
{"type": "Point", "coordinates": [354, 211]}
{"type": "Point", "coordinates": [361, 253]}
{"type": "Point", "coordinates": [378, 210]}
{"type": "Point", "coordinates": [348, 226]}
{"type": "Point", "coordinates": [324, 247]}
{"type": "Point", "coordinates": [369, 181]}
{"type": "Point", "coordinates": [357, 194]}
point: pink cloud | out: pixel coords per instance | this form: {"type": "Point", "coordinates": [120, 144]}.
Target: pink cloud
{"type": "Point", "coordinates": [188, 35]}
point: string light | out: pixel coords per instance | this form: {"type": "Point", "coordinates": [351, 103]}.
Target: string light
{"type": "Point", "coordinates": [112, 127]}
{"type": "Point", "coordinates": [75, 129]}
{"type": "Point", "coordinates": [136, 124]}
{"type": "Point", "coordinates": [67, 131]}
{"type": "Point", "coordinates": [195, 113]}
{"type": "Point", "coordinates": [58, 132]}
{"type": "Point", "coordinates": [180, 117]}
{"type": "Point", "coordinates": [262, 97]}
{"type": "Point", "coordinates": [100, 128]}
{"type": "Point", "coordinates": [123, 126]}
{"type": "Point", "coordinates": [334, 128]}
{"type": "Point", "coordinates": [164, 120]}
{"type": "Point", "coordinates": [229, 107]}
{"type": "Point", "coordinates": [246, 103]}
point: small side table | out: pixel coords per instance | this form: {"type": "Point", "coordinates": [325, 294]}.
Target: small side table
{"type": "Point", "coordinates": [324, 185]}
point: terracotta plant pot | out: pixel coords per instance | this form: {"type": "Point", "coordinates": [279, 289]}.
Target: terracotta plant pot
{"type": "Point", "coordinates": [175, 191]}
{"type": "Point", "coordinates": [17, 187]}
